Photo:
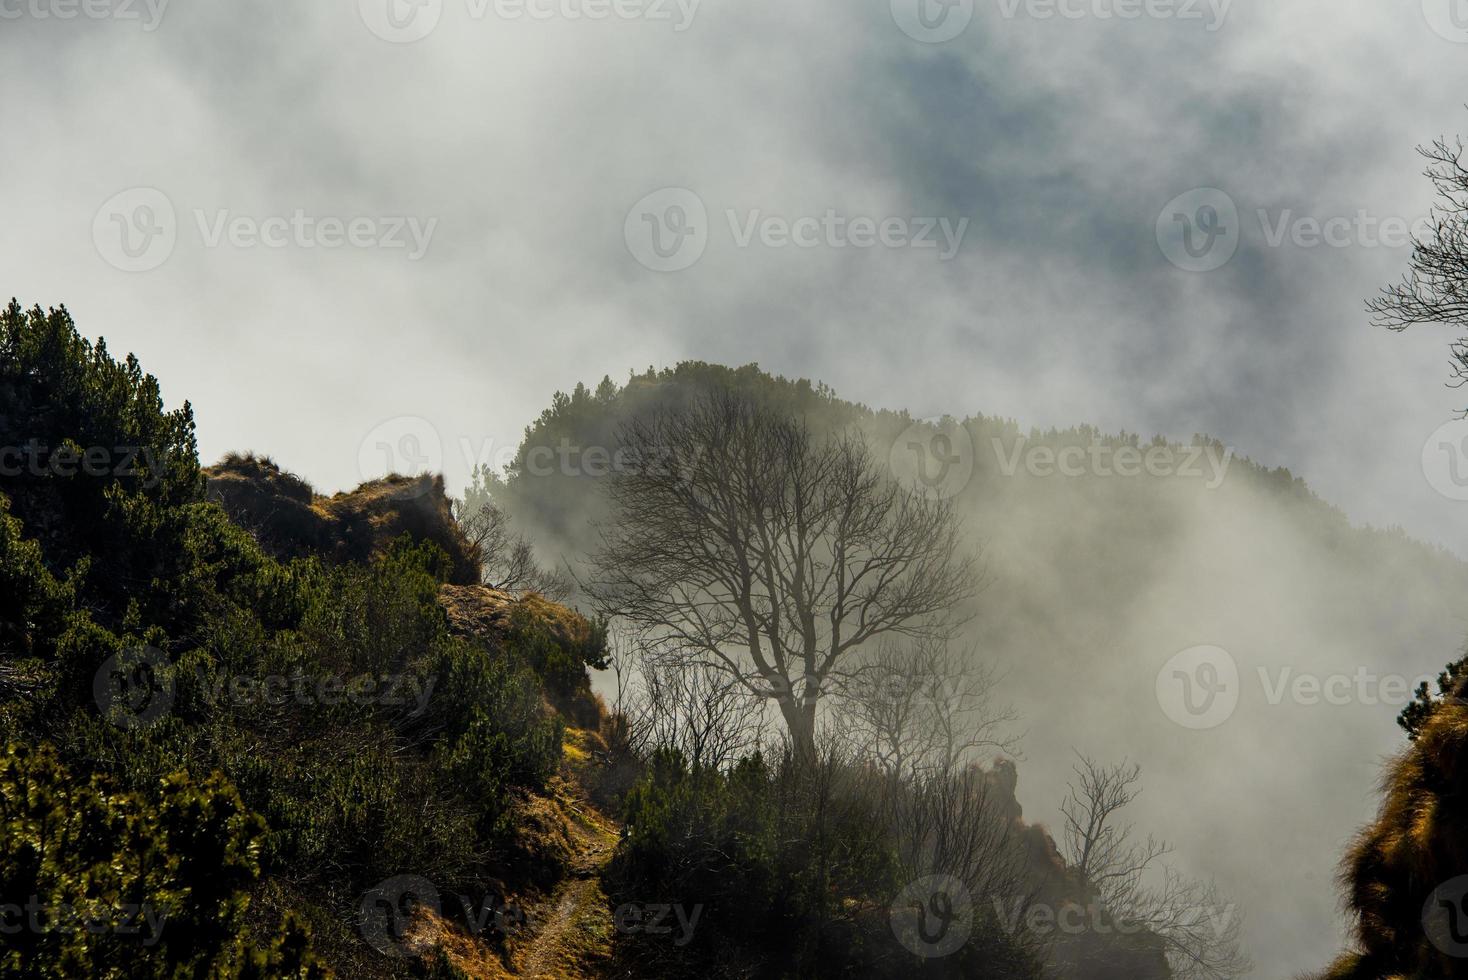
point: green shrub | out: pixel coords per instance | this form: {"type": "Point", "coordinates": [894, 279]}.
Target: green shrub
{"type": "Point", "coordinates": [348, 791]}
{"type": "Point", "coordinates": [125, 514]}
{"type": "Point", "coordinates": [96, 882]}
{"type": "Point", "coordinates": [786, 864]}
{"type": "Point", "coordinates": [495, 731]}
{"type": "Point", "coordinates": [793, 870]}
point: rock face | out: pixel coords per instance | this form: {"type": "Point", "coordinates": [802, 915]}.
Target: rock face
{"type": "Point", "coordinates": [290, 520]}
{"type": "Point", "coordinates": [482, 613]}
{"type": "Point", "coordinates": [1404, 875]}
{"type": "Point", "coordinates": [1097, 949]}
{"type": "Point", "coordinates": [495, 619]}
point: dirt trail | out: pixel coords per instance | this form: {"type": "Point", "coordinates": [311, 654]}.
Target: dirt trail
{"type": "Point", "coordinates": [568, 934]}
{"type": "Point", "coordinates": [546, 956]}
{"type": "Point", "coordinates": [573, 928]}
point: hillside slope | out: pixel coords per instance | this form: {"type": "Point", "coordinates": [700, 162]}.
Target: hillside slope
{"type": "Point", "coordinates": [290, 520]}
{"type": "Point", "coordinates": [1404, 875]}
{"type": "Point", "coordinates": [265, 735]}
{"type": "Point", "coordinates": [1095, 581]}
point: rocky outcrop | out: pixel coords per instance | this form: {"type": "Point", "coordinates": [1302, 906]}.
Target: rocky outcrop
{"type": "Point", "coordinates": [1103, 948]}
{"type": "Point", "coordinates": [482, 613]}
{"type": "Point", "coordinates": [534, 623]}
{"type": "Point", "coordinates": [290, 520]}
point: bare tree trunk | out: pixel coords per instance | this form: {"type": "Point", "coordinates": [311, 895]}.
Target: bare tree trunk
{"type": "Point", "coordinates": [771, 554]}
{"type": "Point", "coordinates": [800, 720]}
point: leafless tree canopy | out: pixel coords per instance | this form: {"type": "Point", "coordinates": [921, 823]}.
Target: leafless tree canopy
{"type": "Point", "coordinates": [956, 822]}
{"type": "Point", "coordinates": [703, 713]}
{"type": "Point", "coordinates": [1435, 290]}
{"type": "Point", "coordinates": [745, 543]}
{"type": "Point", "coordinates": [1096, 843]}
{"type": "Point", "coordinates": [1198, 929]}
{"type": "Point", "coordinates": [919, 706]}
{"type": "Point", "coordinates": [507, 558]}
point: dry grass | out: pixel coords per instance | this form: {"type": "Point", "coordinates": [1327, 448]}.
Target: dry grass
{"type": "Point", "coordinates": [1417, 843]}
{"type": "Point", "coordinates": [570, 932]}
{"type": "Point", "coordinates": [479, 612]}
{"type": "Point", "coordinates": [573, 933]}
{"type": "Point", "coordinates": [291, 521]}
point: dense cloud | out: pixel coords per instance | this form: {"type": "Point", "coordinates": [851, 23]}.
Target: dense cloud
{"type": "Point", "coordinates": [510, 150]}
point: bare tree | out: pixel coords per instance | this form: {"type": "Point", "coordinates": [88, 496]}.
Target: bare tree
{"type": "Point", "coordinates": [958, 823]}
{"type": "Point", "coordinates": [507, 559]}
{"type": "Point", "coordinates": [1101, 849]}
{"type": "Point", "coordinates": [1199, 931]}
{"type": "Point", "coordinates": [744, 542]}
{"type": "Point", "coordinates": [1435, 289]}
{"type": "Point", "coordinates": [920, 706]}
{"type": "Point", "coordinates": [703, 713]}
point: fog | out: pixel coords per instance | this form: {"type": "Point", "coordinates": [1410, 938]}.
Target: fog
{"type": "Point", "coordinates": [502, 162]}
{"type": "Point", "coordinates": [1099, 591]}
{"type": "Point", "coordinates": [1117, 593]}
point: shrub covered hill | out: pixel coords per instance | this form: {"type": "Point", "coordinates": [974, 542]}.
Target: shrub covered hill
{"type": "Point", "coordinates": [1096, 578]}
{"type": "Point", "coordinates": [251, 731]}
{"type": "Point", "coordinates": [232, 710]}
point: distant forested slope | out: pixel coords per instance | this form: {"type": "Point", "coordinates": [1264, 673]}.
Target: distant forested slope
{"type": "Point", "coordinates": [1095, 581]}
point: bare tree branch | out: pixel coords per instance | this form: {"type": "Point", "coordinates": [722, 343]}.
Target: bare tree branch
{"type": "Point", "coordinates": [1435, 288]}
{"type": "Point", "coordinates": [919, 706]}
{"type": "Point", "coordinates": [1199, 931]}
{"type": "Point", "coordinates": [507, 559]}
{"type": "Point", "coordinates": [771, 554]}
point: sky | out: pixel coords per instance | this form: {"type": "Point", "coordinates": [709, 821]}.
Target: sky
{"type": "Point", "coordinates": [362, 232]}
{"type": "Point", "coordinates": [339, 224]}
